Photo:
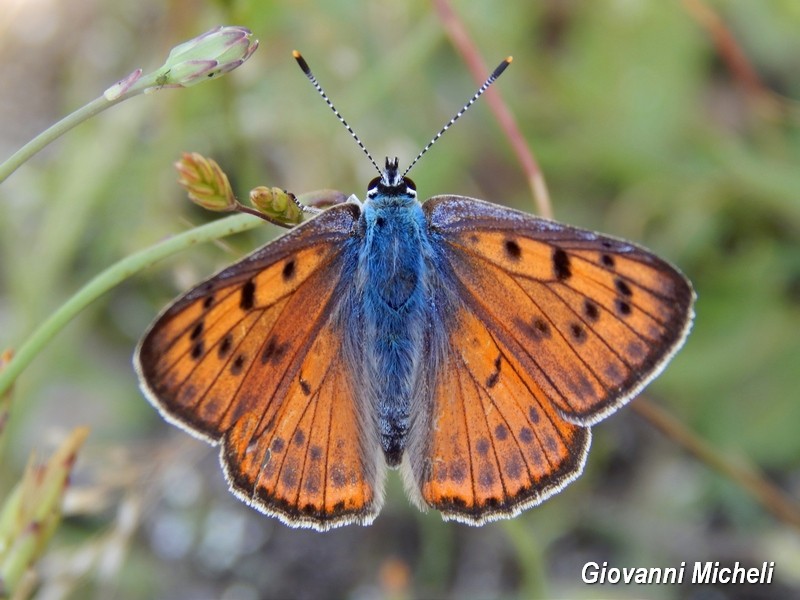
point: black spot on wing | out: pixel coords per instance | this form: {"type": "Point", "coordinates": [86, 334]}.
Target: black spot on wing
{"type": "Point", "coordinates": [248, 296]}
{"type": "Point", "coordinates": [237, 364]}
{"type": "Point", "coordinates": [577, 332]}
{"type": "Point", "coordinates": [561, 264]}
{"type": "Point", "coordinates": [315, 453]}
{"type": "Point", "coordinates": [485, 477]}
{"type": "Point", "coordinates": [289, 270]}
{"type": "Point", "coordinates": [492, 380]}
{"type": "Point", "coordinates": [304, 386]}
{"type": "Point", "coordinates": [623, 307]}
{"type": "Point", "coordinates": [512, 249]}
{"type": "Point", "coordinates": [273, 352]}
{"type": "Point", "coordinates": [537, 329]}
{"type": "Point", "coordinates": [494, 377]}
{"type": "Point", "coordinates": [289, 473]}
{"type": "Point", "coordinates": [225, 345]}
{"type": "Point", "coordinates": [514, 466]}
{"type": "Point", "coordinates": [623, 288]}
{"type": "Point", "coordinates": [458, 470]}
{"type": "Point", "coordinates": [590, 310]}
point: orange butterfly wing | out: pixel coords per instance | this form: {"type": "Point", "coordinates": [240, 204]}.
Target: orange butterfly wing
{"type": "Point", "coordinates": [553, 328]}
{"type": "Point", "coordinates": [252, 359]}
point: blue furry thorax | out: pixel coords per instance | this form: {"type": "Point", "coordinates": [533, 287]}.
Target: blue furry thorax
{"type": "Point", "coordinates": [393, 272]}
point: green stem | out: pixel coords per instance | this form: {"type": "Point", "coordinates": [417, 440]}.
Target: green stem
{"type": "Point", "coordinates": [112, 276]}
{"type": "Point", "coordinates": [530, 555]}
{"type": "Point", "coordinates": [52, 133]}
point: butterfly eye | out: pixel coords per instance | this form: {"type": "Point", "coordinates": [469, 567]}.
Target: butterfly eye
{"type": "Point", "coordinates": [373, 184]}
{"type": "Point", "coordinates": [410, 184]}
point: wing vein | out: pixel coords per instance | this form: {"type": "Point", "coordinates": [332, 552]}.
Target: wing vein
{"type": "Point", "coordinates": [478, 390]}
{"type": "Point", "coordinates": [500, 326]}
{"type": "Point", "coordinates": [466, 431]}
{"type": "Point", "coordinates": [533, 395]}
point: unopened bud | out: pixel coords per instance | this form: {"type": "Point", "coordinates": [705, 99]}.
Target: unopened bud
{"type": "Point", "coordinates": [205, 182]}
{"type": "Point", "coordinates": [277, 203]}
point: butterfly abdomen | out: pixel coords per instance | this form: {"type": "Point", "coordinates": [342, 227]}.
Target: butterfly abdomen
{"type": "Point", "coordinates": [392, 269]}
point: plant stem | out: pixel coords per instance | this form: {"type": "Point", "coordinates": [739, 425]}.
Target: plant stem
{"type": "Point", "coordinates": [529, 551]}
{"type": "Point", "coordinates": [746, 476]}
{"type": "Point", "coordinates": [112, 276]}
{"type": "Point", "coordinates": [463, 42]}
{"type": "Point", "coordinates": [55, 131]}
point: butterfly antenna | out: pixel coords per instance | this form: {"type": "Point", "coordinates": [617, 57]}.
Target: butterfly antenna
{"type": "Point", "coordinates": [492, 78]}
{"type": "Point", "coordinates": [307, 70]}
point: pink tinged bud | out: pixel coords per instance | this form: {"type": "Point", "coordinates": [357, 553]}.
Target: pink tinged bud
{"type": "Point", "coordinates": [122, 86]}
{"type": "Point", "coordinates": [213, 53]}
{"type": "Point", "coordinates": [209, 55]}
{"type": "Point", "coordinates": [205, 182]}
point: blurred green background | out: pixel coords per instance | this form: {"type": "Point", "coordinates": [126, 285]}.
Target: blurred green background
{"type": "Point", "coordinates": [641, 131]}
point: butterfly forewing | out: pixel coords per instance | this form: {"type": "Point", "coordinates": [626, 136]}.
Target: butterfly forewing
{"type": "Point", "coordinates": [590, 319]}
{"type": "Point", "coordinates": [252, 358]}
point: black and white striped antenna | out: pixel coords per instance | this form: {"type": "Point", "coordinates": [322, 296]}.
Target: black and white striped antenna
{"type": "Point", "coordinates": [492, 78]}
{"type": "Point", "coordinates": [307, 70]}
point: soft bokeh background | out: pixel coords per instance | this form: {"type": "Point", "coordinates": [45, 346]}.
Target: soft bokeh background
{"type": "Point", "coordinates": [641, 131]}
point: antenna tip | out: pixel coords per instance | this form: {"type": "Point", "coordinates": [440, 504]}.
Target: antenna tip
{"type": "Point", "coordinates": [301, 61]}
{"type": "Point", "coordinates": [500, 68]}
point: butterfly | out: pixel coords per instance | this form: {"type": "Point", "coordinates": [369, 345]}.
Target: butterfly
{"type": "Point", "coordinates": [470, 345]}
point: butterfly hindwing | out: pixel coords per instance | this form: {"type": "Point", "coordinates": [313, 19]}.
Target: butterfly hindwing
{"type": "Point", "coordinates": [250, 359]}
{"type": "Point", "coordinates": [494, 444]}
{"type": "Point", "coordinates": [310, 460]}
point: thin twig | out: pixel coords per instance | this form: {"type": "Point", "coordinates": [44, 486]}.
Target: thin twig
{"type": "Point", "coordinates": [731, 53]}
{"type": "Point", "coordinates": [466, 47]}
{"type": "Point", "coordinates": [747, 477]}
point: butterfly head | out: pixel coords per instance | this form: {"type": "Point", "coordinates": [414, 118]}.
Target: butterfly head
{"type": "Point", "coordinates": [391, 184]}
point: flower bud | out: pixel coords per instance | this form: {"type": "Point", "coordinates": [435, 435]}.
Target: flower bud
{"type": "Point", "coordinates": [209, 55]}
{"type": "Point", "coordinates": [277, 203]}
{"type": "Point", "coordinates": [205, 182]}
{"type": "Point", "coordinates": [217, 51]}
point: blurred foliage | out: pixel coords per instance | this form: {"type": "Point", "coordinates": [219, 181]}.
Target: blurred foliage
{"type": "Point", "coordinates": [31, 512]}
{"type": "Point", "coordinates": [642, 132]}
